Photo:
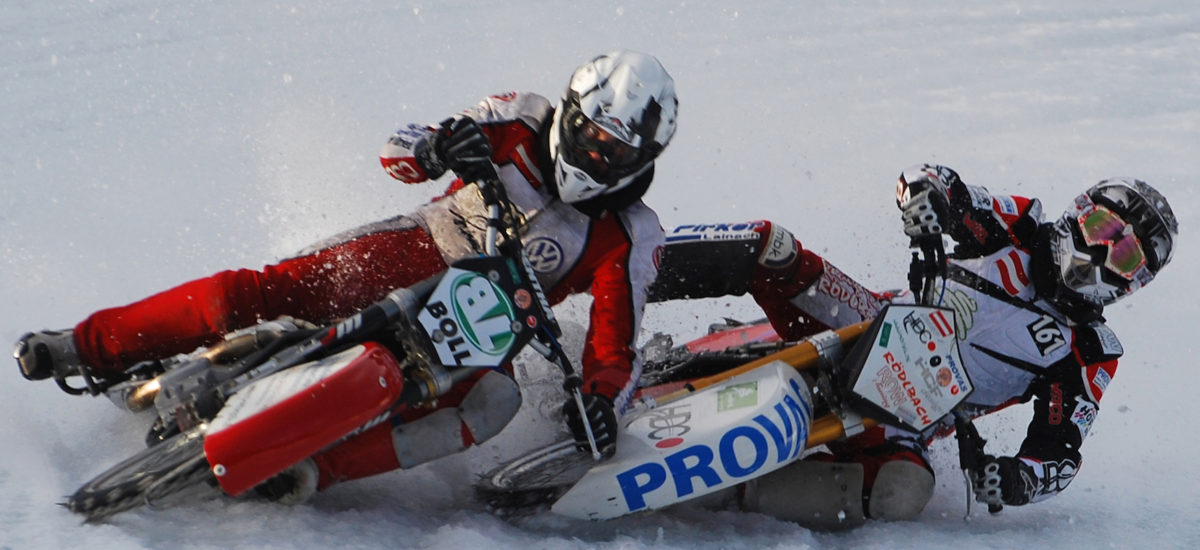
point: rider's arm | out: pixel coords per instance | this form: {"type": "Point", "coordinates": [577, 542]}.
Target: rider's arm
{"type": "Point", "coordinates": [398, 157]}
{"type": "Point", "coordinates": [507, 119]}
{"type": "Point", "coordinates": [618, 267]}
{"type": "Point", "coordinates": [979, 229]}
{"type": "Point", "coordinates": [978, 221]}
{"type": "Point", "coordinates": [1066, 405]}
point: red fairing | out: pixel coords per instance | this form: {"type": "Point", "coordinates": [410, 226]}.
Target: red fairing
{"type": "Point", "coordinates": [719, 341]}
{"type": "Point", "coordinates": [267, 437]}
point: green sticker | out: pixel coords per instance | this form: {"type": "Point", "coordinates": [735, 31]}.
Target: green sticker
{"type": "Point", "coordinates": [737, 396]}
{"type": "Point", "coordinates": [885, 334]}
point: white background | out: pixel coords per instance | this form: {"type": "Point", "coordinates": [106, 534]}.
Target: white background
{"type": "Point", "coordinates": [143, 144]}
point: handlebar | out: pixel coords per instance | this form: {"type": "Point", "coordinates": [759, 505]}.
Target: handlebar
{"type": "Point", "coordinates": [504, 239]}
{"type": "Point", "coordinates": [926, 267]}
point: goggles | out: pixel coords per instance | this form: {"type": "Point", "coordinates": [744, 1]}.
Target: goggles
{"type": "Point", "coordinates": [1098, 226]}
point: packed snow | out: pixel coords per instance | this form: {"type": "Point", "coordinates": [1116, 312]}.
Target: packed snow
{"type": "Point", "coordinates": [143, 144]}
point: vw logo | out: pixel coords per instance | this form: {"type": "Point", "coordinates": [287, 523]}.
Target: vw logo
{"type": "Point", "coordinates": [545, 254]}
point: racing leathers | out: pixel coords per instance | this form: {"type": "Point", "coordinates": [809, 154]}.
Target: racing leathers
{"type": "Point", "coordinates": [604, 246]}
{"type": "Point", "coordinates": [1016, 346]}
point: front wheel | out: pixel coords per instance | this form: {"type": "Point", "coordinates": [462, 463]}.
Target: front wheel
{"type": "Point", "coordinates": [533, 482]}
{"type": "Point", "coordinates": [144, 478]}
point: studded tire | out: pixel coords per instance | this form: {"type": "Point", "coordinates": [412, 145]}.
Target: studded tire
{"type": "Point", "coordinates": [533, 482]}
{"type": "Point", "coordinates": [147, 477]}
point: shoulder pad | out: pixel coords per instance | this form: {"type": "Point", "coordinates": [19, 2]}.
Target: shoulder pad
{"type": "Point", "coordinates": [1097, 343]}
{"type": "Point", "coordinates": [531, 109]}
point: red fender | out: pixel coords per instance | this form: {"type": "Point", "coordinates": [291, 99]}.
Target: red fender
{"type": "Point", "coordinates": [289, 416]}
{"type": "Point", "coordinates": [747, 334]}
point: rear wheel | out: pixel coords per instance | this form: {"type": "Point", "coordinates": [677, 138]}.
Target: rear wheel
{"type": "Point", "coordinates": [144, 478]}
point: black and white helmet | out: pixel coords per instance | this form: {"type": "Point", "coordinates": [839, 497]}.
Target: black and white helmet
{"type": "Point", "coordinates": [1113, 240]}
{"type": "Point", "coordinates": [615, 117]}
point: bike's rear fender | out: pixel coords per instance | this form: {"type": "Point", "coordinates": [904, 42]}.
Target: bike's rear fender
{"type": "Point", "coordinates": [737, 336]}
{"type": "Point", "coordinates": [284, 418]}
{"type": "Point", "coordinates": [716, 438]}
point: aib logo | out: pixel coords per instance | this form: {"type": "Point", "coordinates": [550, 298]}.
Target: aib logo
{"type": "Point", "coordinates": [545, 255]}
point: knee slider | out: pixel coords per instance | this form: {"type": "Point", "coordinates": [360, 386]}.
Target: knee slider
{"type": "Point", "coordinates": [487, 408]}
{"type": "Point", "coordinates": [490, 405]}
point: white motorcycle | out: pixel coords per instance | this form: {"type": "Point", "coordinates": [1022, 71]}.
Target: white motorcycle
{"type": "Point", "coordinates": [738, 404]}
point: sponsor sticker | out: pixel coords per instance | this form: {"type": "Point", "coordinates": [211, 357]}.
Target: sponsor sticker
{"type": "Point", "coordinates": [1083, 416]}
{"type": "Point", "coordinates": [1007, 205]}
{"type": "Point", "coordinates": [668, 425]}
{"type": "Point", "coordinates": [781, 249]}
{"type": "Point", "coordinates": [545, 254]}
{"type": "Point", "coordinates": [980, 198]}
{"type": "Point", "coordinates": [1101, 379]}
{"type": "Point", "coordinates": [715, 232]}
{"type": "Point", "coordinates": [1109, 343]}
{"type": "Point", "coordinates": [469, 319]}
{"type": "Point", "coordinates": [964, 312]}
{"type": "Point", "coordinates": [522, 298]}
{"type": "Point", "coordinates": [738, 396]}
{"type": "Point", "coordinates": [767, 440]}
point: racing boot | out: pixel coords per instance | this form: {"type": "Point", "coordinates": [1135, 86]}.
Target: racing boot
{"type": "Point", "coordinates": [48, 353]}
{"type": "Point", "coordinates": [826, 496]}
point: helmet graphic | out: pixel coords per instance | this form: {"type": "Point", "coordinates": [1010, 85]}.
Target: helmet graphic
{"type": "Point", "coordinates": [1113, 240]}
{"type": "Point", "coordinates": [615, 117]}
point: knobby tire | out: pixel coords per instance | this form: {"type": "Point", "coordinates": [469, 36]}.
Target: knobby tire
{"type": "Point", "coordinates": [147, 477]}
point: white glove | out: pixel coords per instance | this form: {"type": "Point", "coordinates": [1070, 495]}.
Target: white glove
{"type": "Point", "coordinates": [923, 195]}
{"type": "Point", "coordinates": [922, 214]}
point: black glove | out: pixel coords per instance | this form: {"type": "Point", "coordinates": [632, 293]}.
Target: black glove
{"type": "Point", "coordinates": [601, 417]}
{"type": "Point", "coordinates": [1004, 480]}
{"type": "Point", "coordinates": [459, 145]}
{"type": "Point", "coordinates": [923, 195]}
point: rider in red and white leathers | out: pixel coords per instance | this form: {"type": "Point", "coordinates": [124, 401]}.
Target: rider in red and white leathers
{"type": "Point", "coordinates": [1025, 333]}
{"type": "Point", "coordinates": [576, 184]}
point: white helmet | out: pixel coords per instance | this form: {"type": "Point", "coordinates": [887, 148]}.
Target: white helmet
{"type": "Point", "coordinates": [1113, 240]}
{"type": "Point", "coordinates": [615, 117]}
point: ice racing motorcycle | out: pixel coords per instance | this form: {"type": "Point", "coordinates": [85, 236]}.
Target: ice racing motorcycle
{"type": "Point", "coordinates": [738, 404]}
{"type": "Point", "coordinates": [238, 413]}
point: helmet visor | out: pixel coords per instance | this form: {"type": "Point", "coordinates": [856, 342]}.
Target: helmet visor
{"type": "Point", "coordinates": [588, 146]}
{"type": "Point", "coordinates": [1100, 226]}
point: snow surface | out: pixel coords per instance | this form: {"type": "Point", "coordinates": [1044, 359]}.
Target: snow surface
{"type": "Point", "coordinates": [144, 143]}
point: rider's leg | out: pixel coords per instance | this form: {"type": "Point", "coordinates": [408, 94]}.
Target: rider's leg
{"type": "Point", "coordinates": [345, 275]}
{"type": "Point", "coordinates": [801, 293]}
{"type": "Point", "coordinates": [471, 413]}
{"type": "Point", "coordinates": [808, 294]}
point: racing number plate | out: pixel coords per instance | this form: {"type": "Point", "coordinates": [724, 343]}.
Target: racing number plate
{"type": "Point", "coordinates": [912, 369]}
